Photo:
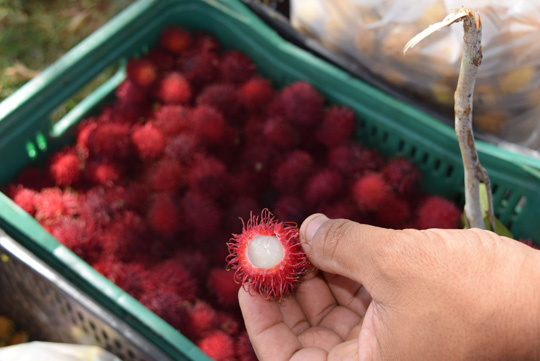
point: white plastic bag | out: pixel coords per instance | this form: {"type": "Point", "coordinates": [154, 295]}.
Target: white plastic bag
{"type": "Point", "coordinates": [374, 33]}
{"type": "Point", "coordinates": [48, 351]}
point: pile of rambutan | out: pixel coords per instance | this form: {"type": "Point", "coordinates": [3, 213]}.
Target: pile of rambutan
{"type": "Point", "coordinates": [154, 185]}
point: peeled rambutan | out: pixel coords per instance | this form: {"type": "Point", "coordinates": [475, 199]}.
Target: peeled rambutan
{"type": "Point", "coordinates": [223, 97]}
{"type": "Point", "coordinates": [235, 67]}
{"type": "Point", "coordinates": [148, 141]}
{"type": "Point", "coordinates": [218, 345]}
{"type": "Point", "coordinates": [168, 305]}
{"type": "Point", "coordinates": [130, 92]}
{"type": "Point", "coordinates": [302, 104]}
{"type": "Point", "coordinates": [174, 89]}
{"type": "Point", "coordinates": [402, 175]}
{"type": "Point", "coordinates": [166, 175]}
{"type": "Point", "coordinates": [371, 191]}
{"type": "Point", "coordinates": [23, 197]}
{"type": "Point", "coordinates": [175, 39]}
{"type": "Point", "coordinates": [437, 212]}
{"type": "Point", "coordinates": [110, 141]}
{"type": "Point", "coordinates": [65, 167]}
{"type": "Point", "coordinates": [244, 350]}
{"type": "Point", "coordinates": [103, 173]}
{"type": "Point", "coordinates": [337, 126]}
{"type": "Point", "coordinates": [352, 160]}
{"type": "Point", "coordinates": [290, 207]}
{"type": "Point", "coordinates": [394, 213]}
{"type": "Point", "coordinates": [323, 186]}
{"type": "Point", "coordinates": [164, 216]}
{"type": "Point", "coordinates": [223, 286]}
{"type": "Point", "coordinates": [256, 94]}
{"type": "Point", "coordinates": [280, 133]}
{"type": "Point", "coordinates": [172, 119]}
{"type": "Point", "coordinates": [291, 174]}
{"type": "Point", "coordinates": [208, 175]}
{"type": "Point", "coordinates": [267, 256]}
{"type": "Point", "coordinates": [141, 71]}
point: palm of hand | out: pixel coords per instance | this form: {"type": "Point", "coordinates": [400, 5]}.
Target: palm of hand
{"type": "Point", "coordinates": [320, 321]}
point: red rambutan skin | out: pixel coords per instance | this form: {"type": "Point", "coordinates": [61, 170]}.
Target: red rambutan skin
{"type": "Point", "coordinates": [24, 198]}
{"type": "Point", "coordinates": [84, 129]}
{"type": "Point", "coordinates": [199, 67]}
{"type": "Point", "coordinates": [223, 285]}
{"type": "Point", "coordinates": [202, 214]}
{"type": "Point", "coordinates": [164, 216]}
{"type": "Point", "coordinates": [167, 175]}
{"type": "Point", "coordinates": [276, 282]}
{"type": "Point", "coordinates": [130, 277]}
{"type": "Point", "coordinates": [174, 89]}
{"type": "Point", "coordinates": [194, 260]}
{"type": "Point", "coordinates": [183, 146]}
{"type": "Point", "coordinates": [211, 126]}
{"type": "Point", "coordinates": [302, 104]}
{"type": "Point", "coordinates": [110, 141]}
{"type": "Point", "coordinates": [280, 133]}
{"type": "Point", "coordinates": [244, 350]}
{"type": "Point", "coordinates": [208, 175]}
{"type": "Point", "coordinates": [50, 205]}
{"type": "Point", "coordinates": [168, 305]}
{"type": "Point", "coordinates": [65, 167]}
{"type": "Point", "coordinates": [337, 126]}
{"type": "Point", "coordinates": [339, 208]}
{"type": "Point", "coordinates": [291, 174]}
{"type": "Point", "coordinates": [126, 237]}
{"type": "Point", "coordinates": [371, 191]}
{"type": "Point", "coordinates": [202, 319]}
{"type": "Point", "coordinates": [103, 173]}
{"type": "Point", "coordinates": [402, 175]}
{"type": "Point", "coordinates": [291, 208]}
{"type": "Point", "coordinates": [223, 97]}
{"type": "Point", "coordinates": [171, 276]}
{"type": "Point", "coordinates": [394, 213]}
{"type": "Point", "coordinates": [172, 119]}
{"type": "Point", "coordinates": [141, 71]}
{"type": "Point", "coordinates": [235, 67]}
{"type": "Point", "coordinates": [353, 160]}
{"type": "Point", "coordinates": [218, 345]}
{"type": "Point", "coordinates": [206, 43]}
{"type": "Point", "coordinates": [161, 58]}
{"type": "Point", "coordinates": [256, 94]}
{"type": "Point", "coordinates": [130, 92]}
{"type": "Point", "coordinates": [323, 186]}
{"type": "Point", "coordinates": [437, 212]}
{"type": "Point", "coordinates": [242, 205]}
{"type": "Point", "coordinates": [175, 39]}
{"type": "Point", "coordinates": [148, 141]}
{"type": "Point", "coordinates": [34, 178]}
{"type": "Point", "coordinates": [78, 236]}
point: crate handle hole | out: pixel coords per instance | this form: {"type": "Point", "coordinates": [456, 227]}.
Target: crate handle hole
{"type": "Point", "coordinates": [449, 171]}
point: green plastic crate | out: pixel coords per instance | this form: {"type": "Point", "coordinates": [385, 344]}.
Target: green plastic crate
{"type": "Point", "coordinates": [28, 135]}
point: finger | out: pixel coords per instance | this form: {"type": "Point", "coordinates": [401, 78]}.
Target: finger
{"type": "Point", "coordinates": [271, 338]}
{"type": "Point", "coordinates": [293, 315]}
{"type": "Point", "coordinates": [319, 337]}
{"type": "Point", "coordinates": [348, 293]}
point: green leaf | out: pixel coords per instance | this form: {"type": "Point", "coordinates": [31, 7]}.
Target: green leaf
{"type": "Point", "coordinates": [500, 228]}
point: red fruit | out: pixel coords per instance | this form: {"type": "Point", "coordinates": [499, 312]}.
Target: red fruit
{"type": "Point", "coordinates": [210, 125]}
{"type": "Point", "coordinates": [84, 129]}
{"type": "Point", "coordinates": [103, 173]}
{"type": "Point", "coordinates": [402, 175]}
{"type": "Point", "coordinates": [323, 186]}
{"type": "Point", "coordinates": [218, 345]}
{"type": "Point", "coordinates": [242, 206]}
{"type": "Point", "coordinates": [280, 133]}
{"type": "Point", "coordinates": [130, 92]}
{"type": "Point", "coordinates": [290, 207]}
{"type": "Point", "coordinates": [49, 205]}
{"type": "Point", "coordinates": [171, 276]}
{"type": "Point", "coordinates": [256, 94]}
{"type": "Point", "coordinates": [235, 67]}
{"type": "Point", "coordinates": [259, 158]}
{"type": "Point", "coordinates": [202, 318]}
{"type": "Point", "coordinates": [202, 214]}
{"type": "Point", "coordinates": [161, 59]}
{"type": "Point", "coordinates": [169, 306]}
{"type": "Point", "coordinates": [174, 89]}
{"type": "Point", "coordinates": [77, 235]}
{"type": "Point", "coordinates": [174, 39]}
{"type": "Point", "coordinates": [34, 178]}
{"type": "Point", "coordinates": [199, 67]}
{"type": "Point", "coordinates": [394, 213]}
{"type": "Point", "coordinates": [529, 242]}
{"type": "Point", "coordinates": [195, 261]}
{"type": "Point", "coordinates": [339, 208]}
{"type": "Point", "coordinates": [207, 175]}
{"type": "Point", "coordinates": [371, 191]}
{"type": "Point", "coordinates": [352, 160]}
{"type": "Point", "coordinates": [223, 97]}
{"type": "Point", "coordinates": [164, 216]}
{"type": "Point", "coordinates": [244, 350]}
{"type": "Point", "coordinates": [127, 237]}
{"type": "Point", "coordinates": [65, 167]}
{"type": "Point", "coordinates": [130, 277]}
{"type": "Point", "coordinates": [267, 256]}
{"type": "Point", "coordinates": [206, 43]}
{"type": "Point", "coordinates": [437, 212]}
{"type": "Point", "coordinates": [337, 126]}
{"type": "Point", "coordinates": [222, 284]}
{"type": "Point", "coordinates": [141, 71]}
{"type": "Point", "coordinates": [183, 146]}
{"type": "Point", "coordinates": [291, 174]}
{"type": "Point", "coordinates": [110, 141]}
{"type": "Point", "coordinates": [24, 198]}
{"type": "Point", "coordinates": [167, 175]}
{"type": "Point", "coordinates": [148, 141]}
{"type": "Point", "coordinates": [172, 119]}
{"type": "Point", "coordinates": [302, 104]}
{"type": "Point", "coordinates": [226, 322]}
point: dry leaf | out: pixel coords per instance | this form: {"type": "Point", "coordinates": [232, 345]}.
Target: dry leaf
{"type": "Point", "coordinates": [20, 71]}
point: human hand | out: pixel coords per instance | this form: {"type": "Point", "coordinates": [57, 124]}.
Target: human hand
{"type": "Point", "coordinates": [403, 295]}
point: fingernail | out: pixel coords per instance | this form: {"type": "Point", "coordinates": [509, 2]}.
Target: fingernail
{"type": "Point", "coordinates": [311, 225]}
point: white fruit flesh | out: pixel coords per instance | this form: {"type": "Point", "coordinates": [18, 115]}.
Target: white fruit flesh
{"type": "Point", "coordinates": [265, 251]}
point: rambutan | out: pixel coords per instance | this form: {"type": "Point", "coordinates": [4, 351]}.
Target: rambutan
{"type": "Point", "coordinates": [183, 146]}
{"type": "Point", "coordinates": [437, 212]}
{"type": "Point", "coordinates": [126, 237]}
{"type": "Point", "coordinates": [199, 67]}
{"type": "Point", "coordinates": [290, 207]}
{"type": "Point", "coordinates": [323, 186]}
{"type": "Point", "coordinates": [171, 276]}
{"type": "Point", "coordinates": [302, 104]}
{"type": "Point", "coordinates": [161, 58]}
{"type": "Point", "coordinates": [339, 208]}
{"type": "Point", "coordinates": [394, 213]}
{"type": "Point", "coordinates": [353, 160]}
{"type": "Point", "coordinates": [164, 216]}
{"type": "Point", "coordinates": [208, 175]}
{"type": "Point", "coordinates": [24, 198]}
{"type": "Point", "coordinates": [201, 319]}
{"type": "Point", "coordinates": [49, 205]}
{"type": "Point", "coordinates": [402, 175]}
{"type": "Point", "coordinates": [141, 71]}
{"type": "Point", "coordinates": [267, 256]}
{"type": "Point", "coordinates": [65, 167]}
{"type": "Point", "coordinates": [202, 214]}
{"type": "Point", "coordinates": [130, 277]}
{"type": "Point", "coordinates": [259, 158]}
{"type": "Point", "coordinates": [148, 141]}
{"type": "Point", "coordinates": [194, 260]}
{"type": "Point", "coordinates": [172, 119]}
{"type": "Point", "coordinates": [78, 236]}
{"type": "Point", "coordinates": [218, 345]}
{"type": "Point", "coordinates": [110, 141]}
{"type": "Point", "coordinates": [175, 39]}
{"type": "Point", "coordinates": [235, 67]}
{"type": "Point", "coordinates": [223, 286]}
{"type": "Point", "coordinates": [84, 129]}
{"type": "Point", "coordinates": [371, 191]}
{"type": "Point", "coordinates": [226, 322]}
{"type": "Point", "coordinates": [280, 133]}
{"type": "Point", "coordinates": [168, 305]}
{"type": "Point", "coordinates": [244, 350]}
{"type": "Point", "coordinates": [103, 173]}
{"type": "Point", "coordinates": [166, 175]}
{"type": "Point", "coordinates": [241, 207]}
{"type": "Point", "coordinates": [206, 43]}
{"type": "Point", "coordinates": [210, 125]}
{"type": "Point", "coordinates": [291, 174]}
{"type": "Point", "coordinates": [337, 126]}
{"type": "Point", "coordinates": [34, 178]}
{"type": "Point", "coordinates": [223, 97]}
{"type": "Point", "coordinates": [174, 89]}
{"type": "Point", "coordinates": [130, 92]}
{"type": "Point", "coordinates": [256, 93]}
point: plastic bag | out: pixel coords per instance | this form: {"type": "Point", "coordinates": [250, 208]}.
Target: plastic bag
{"type": "Point", "coordinates": [374, 33]}
{"type": "Point", "coordinates": [48, 351]}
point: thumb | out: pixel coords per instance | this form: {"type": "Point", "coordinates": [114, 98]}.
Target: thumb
{"type": "Point", "coordinates": [363, 253]}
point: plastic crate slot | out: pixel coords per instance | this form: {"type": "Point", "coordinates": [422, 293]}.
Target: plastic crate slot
{"type": "Point", "coordinates": [401, 145]}
{"type": "Point", "coordinates": [412, 151]}
{"type": "Point", "coordinates": [384, 137]}
{"type": "Point", "coordinates": [41, 141]}
{"type": "Point", "coordinates": [519, 206]}
{"type": "Point", "coordinates": [105, 335]}
{"type": "Point", "coordinates": [449, 171]}
{"type": "Point", "coordinates": [118, 344]}
{"type": "Point", "coordinates": [31, 150]}
{"type": "Point", "coordinates": [131, 354]}
{"type": "Point", "coordinates": [425, 158]}
{"type": "Point", "coordinates": [374, 131]}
